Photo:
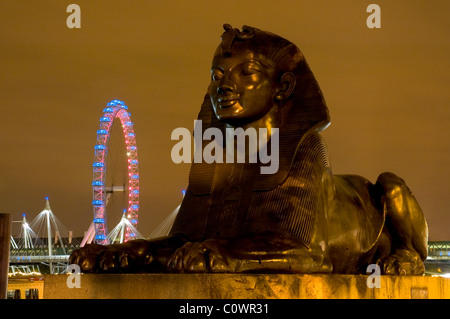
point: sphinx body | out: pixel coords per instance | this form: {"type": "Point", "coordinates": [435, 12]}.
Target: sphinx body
{"type": "Point", "coordinates": [312, 222]}
{"type": "Point", "coordinates": [302, 218]}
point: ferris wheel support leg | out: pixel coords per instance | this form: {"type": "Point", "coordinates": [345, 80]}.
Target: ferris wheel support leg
{"type": "Point", "coordinates": [89, 235]}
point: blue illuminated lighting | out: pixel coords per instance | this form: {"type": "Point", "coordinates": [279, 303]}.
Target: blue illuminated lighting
{"type": "Point", "coordinates": [105, 119]}
{"type": "Point", "coordinates": [134, 221]}
{"type": "Point", "coordinates": [131, 134]}
{"type": "Point", "coordinates": [98, 164]}
{"type": "Point", "coordinates": [183, 192]}
{"type": "Point", "coordinates": [46, 197]}
{"type": "Point", "coordinates": [99, 220]}
{"type": "Point", "coordinates": [97, 183]}
{"type": "Point", "coordinates": [133, 148]}
{"type": "Point", "coordinates": [97, 202]}
{"type": "Point", "coordinates": [23, 215]}
{"type": "Point", "coordinates": [134, 162]}
{"type": "Point", "coordinates": [135, 176]}
{"type": "Point", "coordinates": [108, 110]}
{"type": "Point", "coordinates": [134, 206]}
{"type": "Point", "coordinates": [128, 123]}
{"type": "Point", "coordinates": [100, 147]}
{"type": "Point", "coordinates": [102, 132]}
{"type": "Point", "coordinates": [135, 191]}
{"type": "Point", "coordinates": [101, 237]}
{"type": "Point", "coordinates": [125, 107]}
{"type": "Point", "coordinates": [115, 102]}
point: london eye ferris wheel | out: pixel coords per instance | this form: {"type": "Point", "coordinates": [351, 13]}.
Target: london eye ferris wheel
{"type": "Point", "coordinates": [115, 182]}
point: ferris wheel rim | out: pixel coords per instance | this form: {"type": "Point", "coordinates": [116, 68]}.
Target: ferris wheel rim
{"type": "Point", "coordinates": [115, 109]}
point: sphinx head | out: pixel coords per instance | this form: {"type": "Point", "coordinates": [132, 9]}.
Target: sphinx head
{"type": "Point", "coordinates": [256, 77]}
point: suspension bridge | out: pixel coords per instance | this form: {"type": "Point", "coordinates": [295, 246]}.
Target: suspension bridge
{"type": "Point", "coordinates": [44, 245]}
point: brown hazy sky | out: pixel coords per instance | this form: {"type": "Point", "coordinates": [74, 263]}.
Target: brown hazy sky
{"type": "Point", "coordinates": [387, 91]}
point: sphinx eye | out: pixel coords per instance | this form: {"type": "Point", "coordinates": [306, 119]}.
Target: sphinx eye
{"type": "Point", "coordinates": [216, 75]}
{"type": "Point", "coordinates": [249, 69]}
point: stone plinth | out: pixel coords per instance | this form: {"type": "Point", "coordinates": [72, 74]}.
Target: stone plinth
{"type": "Point", "coordinates": [244, 286]}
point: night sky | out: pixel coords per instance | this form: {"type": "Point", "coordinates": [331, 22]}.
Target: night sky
{"type": "Point", "coordinates": [387, 91]}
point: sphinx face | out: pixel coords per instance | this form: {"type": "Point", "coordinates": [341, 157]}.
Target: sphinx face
{"type": "Point", "coordinates": [243, 87]}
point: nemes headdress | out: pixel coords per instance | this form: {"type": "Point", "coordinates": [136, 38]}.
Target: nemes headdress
{"type": "Point", "coordinates": [252, 39]}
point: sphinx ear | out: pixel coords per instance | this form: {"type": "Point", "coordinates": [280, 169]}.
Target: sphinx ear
{"type": "Point", "coordinates": [287, 85]}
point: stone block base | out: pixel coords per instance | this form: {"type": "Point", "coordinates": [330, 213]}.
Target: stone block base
{"type": "Point", "coordinates": [244, 286]}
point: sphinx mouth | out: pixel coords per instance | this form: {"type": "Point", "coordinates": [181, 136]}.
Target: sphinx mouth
{"type": "Point", "coordinates": [225, 102]}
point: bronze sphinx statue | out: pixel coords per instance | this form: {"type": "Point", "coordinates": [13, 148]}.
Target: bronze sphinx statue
{"type": "Point", "coordinates": [300, 219]}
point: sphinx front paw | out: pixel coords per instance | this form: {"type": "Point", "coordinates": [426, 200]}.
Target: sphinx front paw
{"type": "Point", "coordinates": [99, 258]}
{"type": "Point", "coordinates": [403, 262]}
{"type": "Point", "coordinates": [207, 256]}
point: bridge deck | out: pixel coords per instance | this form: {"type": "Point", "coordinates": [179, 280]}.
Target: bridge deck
{"type": "Point", "coordinates": [38, 259]}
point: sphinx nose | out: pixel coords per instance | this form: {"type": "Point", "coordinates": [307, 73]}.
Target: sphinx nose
{"type": "Point", "coordinates": [225, 87]}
